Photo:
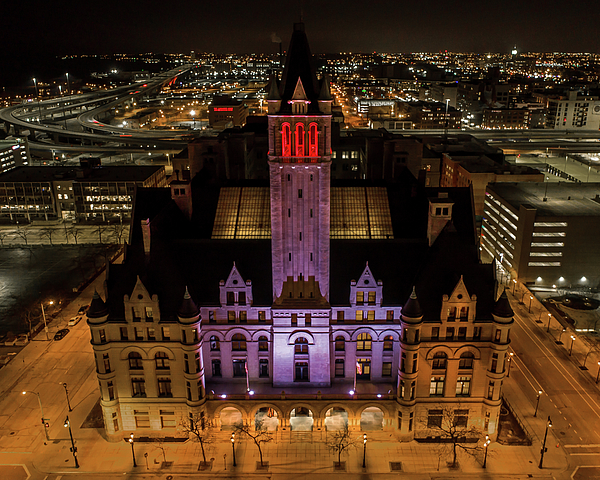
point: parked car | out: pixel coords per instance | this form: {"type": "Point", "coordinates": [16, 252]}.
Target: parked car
{"type": "Point", "coordinates": [75, 320]}
{"type": "Point", "coordinates": [83, 309]}
{"type": "Point", "coordinates": [61, 334]}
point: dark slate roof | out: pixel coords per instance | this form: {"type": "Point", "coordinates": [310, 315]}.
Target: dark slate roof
{"type": "Point", "coordinates": [97, 308]}
{"type": "Point", "coordinates": [502, 307]}
{"type": "Point", "coordinates": [412, 309]}
{"type": "Point", "coordinates": [188, 308]}
{"type": "Point", "coordinates": [299, 64]}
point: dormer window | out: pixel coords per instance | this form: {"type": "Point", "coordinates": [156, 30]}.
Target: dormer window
{"type": "Point", "coordinates": [299, 108]}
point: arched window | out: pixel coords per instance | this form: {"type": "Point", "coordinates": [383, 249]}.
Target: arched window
{"type": "Point", "coordinates": [440, 359]}
{"type": "Point", "coordinates": [313, 140]}
{"type": "Point", "coordinates": [388, 343]}
{"type": "Point", "coordinates": [300, 140]}
{"type": "Point", "coordinates": [215, 345]}
{"type": "Point", "coordinates": [286, 140]}
{"type": "Point", "coordinates": [301, 345]}
{"type": "Point", "coordinates": [466, 360]}
{"type": "Point", "coordinates": [340, 344]}
{"type": "Point", "coordinates": [263, 344]}
{"type": "Point", "coordinates": [162, 361]}
{"type": "Point", "coordinates": [238, 342]}
{"type": "Point", "coordinates": [363, 342]}
{"type": "Point", "coordinates": [135, 361]}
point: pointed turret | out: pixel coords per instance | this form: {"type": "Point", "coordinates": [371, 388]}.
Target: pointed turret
{"type": "Point", "coordinates": [412, 309]}
{"type": "Point", "coordinates": [98, 308]}
{"type": "Point", "coordinates": [188, 308]}
{"type": "Point", "coordinates": [502, 307]}
{"type": "Point", "coordinates": [299, 65]}
{"type": "Point", "coordinates": [273, 89]}
{"type": "Point", "coordinates": [325, 93]}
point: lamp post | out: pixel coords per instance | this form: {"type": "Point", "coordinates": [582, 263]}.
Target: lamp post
{"type": "Point", "coordinates": [514, 286]}
{"type": "Point", "coordinates": [73, 447]}
{"type": "Point", "coordinates": [132, 450]}
{"type": "Point", "coordinates": [233, 448]}
{"type": "Point", "coordinates": [549, 317]}
{"type": "Point", "coordinates": [510, 359]}
{"type": "Point", "coordinates": [548, 425]}
{"type": "Point", "coordinates": [44, 316]}
{"type": "Point", "coordinates": [365, 450]}
{"type": "Point", "coordinates": [44, 424]}
{"type": "Point", "coordinates": [485, 446]}
{"type": "Point", "coordinates": [68, 84]}
{"type": "Point", "coordinates": [67, 394]}
{"type": "Point", "coordinates": [193, 114]}
{"type": "Point", "coordinates": [560, 335]}
{"type": "Point", "coordinates": [572, 342]}
{"type": "Point", "coordinates": [598, 375]}
{"type": "Point", "coordinates": [539, 395]}
{"type": "Point", "coordinates": [530, 299]}
{"type": "Point", "coordinates": [37, 96]}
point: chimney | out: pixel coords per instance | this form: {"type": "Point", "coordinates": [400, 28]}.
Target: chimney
{"type": "Point", "coordinates": [439, 214]}
{"type": "Point", "coordinates": [181, 193]}
{"type": "Point", "coordinates": [146, 235]}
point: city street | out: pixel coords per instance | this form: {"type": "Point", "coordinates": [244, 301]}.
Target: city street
{"type": "Point", "coordinates": [569, 396]}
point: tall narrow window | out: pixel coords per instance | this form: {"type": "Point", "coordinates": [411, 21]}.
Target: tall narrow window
{"type": "Point", "coordinates": [313, 142]}
{"type": "Point", "coordinates": [286, 140]}
{"type": "Point", "coordinates": [300, 140]}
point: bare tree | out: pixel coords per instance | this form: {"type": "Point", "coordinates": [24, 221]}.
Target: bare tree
{"type": "Point", "coordinates": [100, 229]}
{"type": "Point", "coordinates": [29, 315]}
{"type": "Point", "coordinates": [47, 232]}
{"type": "Point", "coordinates": [340, 441]}
{"type": "Point", "coordinates": [3, 236]}
{"type": "Point", "coordinates": [198, 426]}
{"type": "Point", "coordinates": [259, 435]}
{"type": "Point", "coordinates": [23, 233]}
{"type": "Point", "coordinates": [592, 348]}
{"type": "Point", "coordinates": [118, 232]}
{"type": "Point", "coordinates": [451, 425]}
{"type": "Point", "coordinates": [76, 233]}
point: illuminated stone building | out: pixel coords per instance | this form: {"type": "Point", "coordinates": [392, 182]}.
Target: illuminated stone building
{"type": "Point", "coordinates": [302, 302]}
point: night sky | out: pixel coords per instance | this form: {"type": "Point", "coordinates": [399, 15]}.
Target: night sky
{"type": "Point", "coordinates": [241, 26]}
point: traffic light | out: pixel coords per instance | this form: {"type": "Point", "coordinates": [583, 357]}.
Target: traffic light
{"type": "Point", "coordinates": [46, 424]}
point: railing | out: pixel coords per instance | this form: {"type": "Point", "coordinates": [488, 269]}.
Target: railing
{"type": "Point", "coordinates": [506, 404]}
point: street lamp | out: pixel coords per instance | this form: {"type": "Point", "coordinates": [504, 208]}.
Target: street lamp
{"type": "Point", "coordinates": [560, 335]}
{"type": "Point", "coordinates": [67, 394]}
{"type": "Point", "coordinates": [132, 450]}
{"type": "Point", "coordinates": [365, 450]}
{"type": "Point", "coordinates": [485, 446]}
{"type": "Point", "coordinates": [73, 447]}
{"type": "Point", "coordinates": [549, 317]}
{"type": "Point", "coordinates": [514, 286]}
{"type": "Point", "coordinates": [598, 375]}
{"type": "Point", "coordinates": [539, 395]}
{"type": "Point", "coordinates": [572, 342]}
{"type": "Point", "coordinates": [193, 114]}
{"type": "Point", "coordinates": [530, 299]}
{"type": "Point", "coordinates": [44, 424]}
{"type": "Point", "coordinates": [233, 448]}
{"type": "Point", "coordinates": [44, 315]}
{"type": "Point", "coordinates": [37, 96]}
{"type": "Point", "coordinates": [510, 356]}
{"type": "Point", "coordinates": [68, 84]}
{"type": "Point", "coordinates": [548, 425]}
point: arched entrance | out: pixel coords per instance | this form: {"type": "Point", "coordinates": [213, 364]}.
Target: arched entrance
{"type": "Point", "coordinates": [336, 418]}
{"type": "Point", "coordinates": [230, 417]}
{"type": "Point", "coordinates": [301, 419]}
{"type": "Point", "coordinates": [371, 419]}
{"type": "Point", "coordinates": [266, 419]}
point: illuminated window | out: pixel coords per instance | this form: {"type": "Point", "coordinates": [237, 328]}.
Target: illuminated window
{"type": "Point", "coordinates": [286, 140]}
{"type": "Point", "coordinates": [388, 343]}
{"type": "Point", "coordinates": [360, 298]}
{"type": "Point", "coordinates": [238, 342]}
{"type": "Point", "coordinates": [313, 145]}
{"type": "Point", "coordinates": [263, 344]}
{"type": "Point", "coordinates": [436, 387]}
{"type": "Point", "coordinates": [363, 342]}
{"type": "Point", "coordinates": [300, 140]}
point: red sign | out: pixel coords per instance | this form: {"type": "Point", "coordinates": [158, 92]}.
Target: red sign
{"type": "Point", "coordinates": [223, 109]}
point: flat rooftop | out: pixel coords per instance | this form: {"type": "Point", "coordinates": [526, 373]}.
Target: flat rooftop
{"type": "Point", "coordinates": [101, 174]}
{"type": "Point", "coordinates": [562, 198]}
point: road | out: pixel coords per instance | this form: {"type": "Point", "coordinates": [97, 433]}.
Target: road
{"type": "Point", "coordinates": [570, 396]}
